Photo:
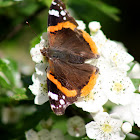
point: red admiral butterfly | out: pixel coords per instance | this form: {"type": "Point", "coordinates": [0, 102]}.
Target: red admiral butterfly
{"type": "Point", "coordinates": [68, 77]}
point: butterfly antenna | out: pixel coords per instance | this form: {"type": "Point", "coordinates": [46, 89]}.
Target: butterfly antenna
{"type": "Point", "coordinates": [32, 30]}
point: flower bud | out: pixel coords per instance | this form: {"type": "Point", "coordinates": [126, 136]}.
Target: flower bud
{"type": "Point", "coordinates": [76, 126]}
{"type": "Point", "coordinates": [127, 127]}
{"type": "Point", "coordinates": [94, 26]}
{"type": "Point", "coordinates": [31, 135]}
{"type": "Point", "coordinates": [44, 134]}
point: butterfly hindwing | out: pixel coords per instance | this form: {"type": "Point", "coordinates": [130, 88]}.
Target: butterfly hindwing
{"type": "Point", "coordinates": [68, 81]}
{"type": "Point", "coordinates": [58, 100]}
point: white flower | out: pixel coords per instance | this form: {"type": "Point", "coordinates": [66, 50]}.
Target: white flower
{"type": "Point", "coordinates": [121, 46]}
{"type": "Point", "coordinates": [56, 134]}
{"type": "Point", "coordinates": [31, 135]}
{"type": "Point", "coordinates": [130, 112]}
{"type": "Point", "coordinates": [95, 100]}
{"type": "Point", "coordinates": [46, 123]}
{"type": "Point", "coordinates": [18, 81]}
{"type": "Point", "coordinates": [103, 65]}
{"type": "Point", "coordinates": [26, 69]}
{"type": "Point", "coordinates": [39, 88]}
{"type": "Point", "coordinates": [124, 113]}
{"type": "Point", "coordinates": [81, 25]}
{"type": "Point", "coordinates": [119, 88]}
{"type": "Point", "coordinates": [76, 126]}
{"type": "Point", "coordinates": [100, 39]}
{"type": "Point", "coordinates": [94, 26]}
{"type": "Point", "coordinates": [44, 134]}
{"type": "Point", "coordinates": [127, 127]}
{"type": "Point", "coordinates": [44, 37]}
{"type": "Point", "coordinates": [89, 106]}
{"type": "Point", "coordinates": [40, 81]}
{"type": "Point", "coordinates": [135, 108]}
{"type": "Point", "coordinates": [105, 127]}
{"type": "Point", "coordinates": [135, 73]}
{"type": "Point", "coordinates": [118, 57]}
{"type": "Point", "coordinates": [41, 68]}
{"type": "Point", "coordinates": [10, 115]}
{"type": "Point", "coordinates": [35, 52]}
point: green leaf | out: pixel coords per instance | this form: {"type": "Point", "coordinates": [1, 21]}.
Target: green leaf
{"type": "Point", "coordinates": [5, 100]}
{"type": "Point", "coordinates": [4, 83]}
{"type": "Point", "coordinates": [131, 64]}
{"type": "Point", "coordinates": [107, 9]}
{"type": "Point", "coordinates": [136, 131]}
{"type": "Point", "coordinates": [89, 10]}
{"type": "Point", "coordinates": [47, 2]}
{"type": "Point", "coordinates": [31, 7]}
{"type": "Point", "coordinates": [85, 138]}
{"type": "Point", "coordinates": [68, 137]}
{"type": "Point", "coordinates": [9, 80]}
{"type": "Point", "coordinates": [6, 3]}
{"type": "Point", "coordinates": [35, 41]}
{"type": "Point", "coordinates": [61, 125]}
{"type": "Point", "coordinates": [20, 94]}
{"type": "Point", "coordinates": [6, 69]}
{"type": "Point", "coordinates": [30, 121]}
{"type": "Point", "coordinates": [136, 83]}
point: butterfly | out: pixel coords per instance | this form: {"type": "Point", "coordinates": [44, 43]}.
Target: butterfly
{"type": "Point", "coordinates": [68, 76]}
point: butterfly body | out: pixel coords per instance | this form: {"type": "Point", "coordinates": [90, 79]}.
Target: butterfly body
{"type": "Point", "coordinates": [68, 76]}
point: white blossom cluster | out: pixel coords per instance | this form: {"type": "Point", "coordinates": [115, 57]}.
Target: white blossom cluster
{"type": "Point", "coordinates": [113, 86]}
{"type": "Point", "coordinates": [75, 127]}
{"type": "Point", "coordinates": [44, 134]}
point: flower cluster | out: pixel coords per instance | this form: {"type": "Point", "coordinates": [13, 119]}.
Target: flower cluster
{"type": "Point", "coordinates": [44, 134]}
{"type": "Point", "coordinates": [75, 127]}
{"type": "Point", "coordinates": [39, 86]}
{"type": "Point", "coordinates": [113, 87]}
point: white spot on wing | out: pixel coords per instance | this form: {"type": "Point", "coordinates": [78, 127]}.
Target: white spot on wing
{"type": "Point", "coordinates": [52, 106]}
{"type": "Point", "coordinates": [62, 13]}
{"type": "Point", "coordinates": [62, 102]}
{"type": "Point", "coordinates": [53, 96]}
{"type": "Point", "coordinates": [54, 3]}
{"type": "Point", "coordinates": [63, 97]}
{"type": "Point", "coordinates": [54, 12]}
{"type": "Point", "coordinates": [64, 18]}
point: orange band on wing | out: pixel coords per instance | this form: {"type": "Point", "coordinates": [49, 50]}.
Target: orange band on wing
{"type": "Point", "coordinates": [87, 89]}
{"type": "Point", "coordinates": [68, 93]}
{"type": "Point", "coordinates": [61, 25]}
{"type": "Point", "coordinates": [88, 39]}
